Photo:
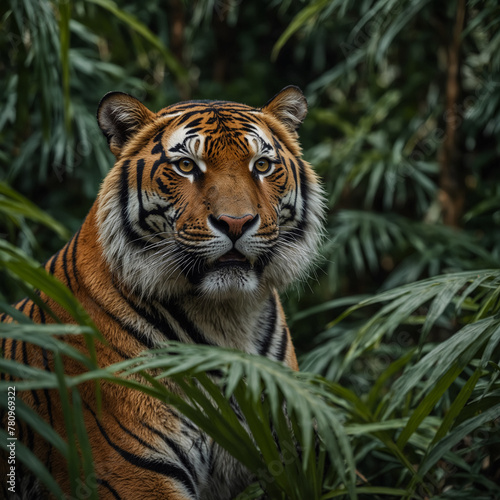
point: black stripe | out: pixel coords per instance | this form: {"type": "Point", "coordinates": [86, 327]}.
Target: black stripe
{"type": "Point", "coordinates": [265, 341]}
{"type": "Point", "coordinates": [52, 266]}
{"type": "Point", "coordinates": [142, 212]}
{"type": "Point", "coordinates": [21, 305]}
{"type": "Point", "coordinates": [281, 351]}
{"type": "Point", "coordinates": [174, 309]}
{"type": "Point", "coordinates": [188, 115]}
{"type": "Point", "coordinates": [42, 314]}
{"type": "Point", "coordinates": [46, 391]}
{"type": "Point", "coordinates": [32, 309]}
{"type": "Point", "coordinates": [163, 468]}
{"type": "Point", "coordinates": [165, 189]}
{"type": "Point", "coordinates": [209, 147]}
{"type": "Point", "coordinates": [277, 144]}
{"type": "Point", "coordinates": [25, 352]}
{"type": "Point", "coordinates": [194, 123]}
{"type": "Point", "coordinates": [13, 349]}
{"type": "Point", "coordinates": [104, 483]}
{"type": "Point", "coordinates": [160, 208]}
{"type": "Point", "coordinates": [34, 393]}
{"type": "Point", "coordinates": [179, 452]}
{"type": "Point", "coordinates": [73, 255]}
{"type": "Point", "coordinates": [304, 191]}
{"type": "Point", "coordinates": [135, 436]}
{"type": "Point", "coordinates": [156, 320]}
{"type": "Point", "coordinates": [298, 232]}
{"type": "Point", "coordinates": [293, 167]}
{"type": "Point", "coordinates": [65, 265]}
{"type": "Point", "coordinates": [133, 237]}
{"type": "Point", "coordinates": [132, 331]}
{"type": "Point", "coordinates": [185, 422]}
{"type": "Point", "coordinates": [158, 149]}
{"type": "Point", "coordinates": [211, 467]}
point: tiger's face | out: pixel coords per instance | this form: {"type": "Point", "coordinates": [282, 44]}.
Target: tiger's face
{"type": "Point", "coordinates": [208, 197]}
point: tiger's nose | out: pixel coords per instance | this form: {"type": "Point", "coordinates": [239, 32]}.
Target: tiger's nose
{"type": "Point", "coordinates": [234, 227]}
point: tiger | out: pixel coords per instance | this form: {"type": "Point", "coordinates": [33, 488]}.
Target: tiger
{"type": "Point", "coordinates": [207, 214]}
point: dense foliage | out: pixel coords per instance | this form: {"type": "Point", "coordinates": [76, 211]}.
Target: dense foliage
{"type": "Point", "coordinates": [398, 329]}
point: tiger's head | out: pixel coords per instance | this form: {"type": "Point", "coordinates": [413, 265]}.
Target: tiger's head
{"type": "Point", "coordinates": [208, 197]}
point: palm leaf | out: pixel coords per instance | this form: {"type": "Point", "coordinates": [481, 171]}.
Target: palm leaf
{"type": "Point", "coordinates": [13, 204]}
{"type": "Point", "coordinates": [132, 22]}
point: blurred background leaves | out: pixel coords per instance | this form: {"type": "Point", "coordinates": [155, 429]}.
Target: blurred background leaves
{"type": "Point", "coordinates": [404, 128]}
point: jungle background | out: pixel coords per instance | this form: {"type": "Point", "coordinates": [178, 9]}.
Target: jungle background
{"type": "Point", "coordinates": [399, 323]}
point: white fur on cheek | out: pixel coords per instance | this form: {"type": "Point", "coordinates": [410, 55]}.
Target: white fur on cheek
{"type": "Point", "coordinates": [295, 255]}
{"type": "Point", "coordinates": [150, 267]}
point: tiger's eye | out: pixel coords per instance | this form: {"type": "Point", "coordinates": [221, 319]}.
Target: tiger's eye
{"type": "Point", "coordinates": [186, 165]}
{"type": "Point", "coordinates": [262, 166]}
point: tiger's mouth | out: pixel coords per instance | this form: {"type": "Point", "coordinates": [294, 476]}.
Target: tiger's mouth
{"type": "Point", "coordinates": [232, 272]}
{"type": "Point", "coordinates": [233, 258]}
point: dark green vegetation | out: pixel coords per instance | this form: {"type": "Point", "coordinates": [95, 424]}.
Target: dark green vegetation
{"type": "Point", "coordinates": [404, 127]}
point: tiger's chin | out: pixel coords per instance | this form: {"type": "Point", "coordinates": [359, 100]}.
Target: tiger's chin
{"type": "Point", "coordinates": [228, 281]}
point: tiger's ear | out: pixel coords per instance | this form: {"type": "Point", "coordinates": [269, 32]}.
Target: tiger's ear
{"type": "Point", "coordinates": [120, 116]}
{"type": "Point", "coordinates": [289, 106]}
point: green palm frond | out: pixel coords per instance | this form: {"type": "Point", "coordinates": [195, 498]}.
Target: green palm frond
{"type": "Point", "coordinates": [132, 22]}
{"type": "Point", "coordinates": [13, 206]}
{"type": "Point", "coordinates": [361, 239]}
{"type": "Point", "coordinates": [432, 395]}
{"type": "Point", "coordinates": [281, 448]}
{"type": "Point", "coordinates": [470, 295]}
